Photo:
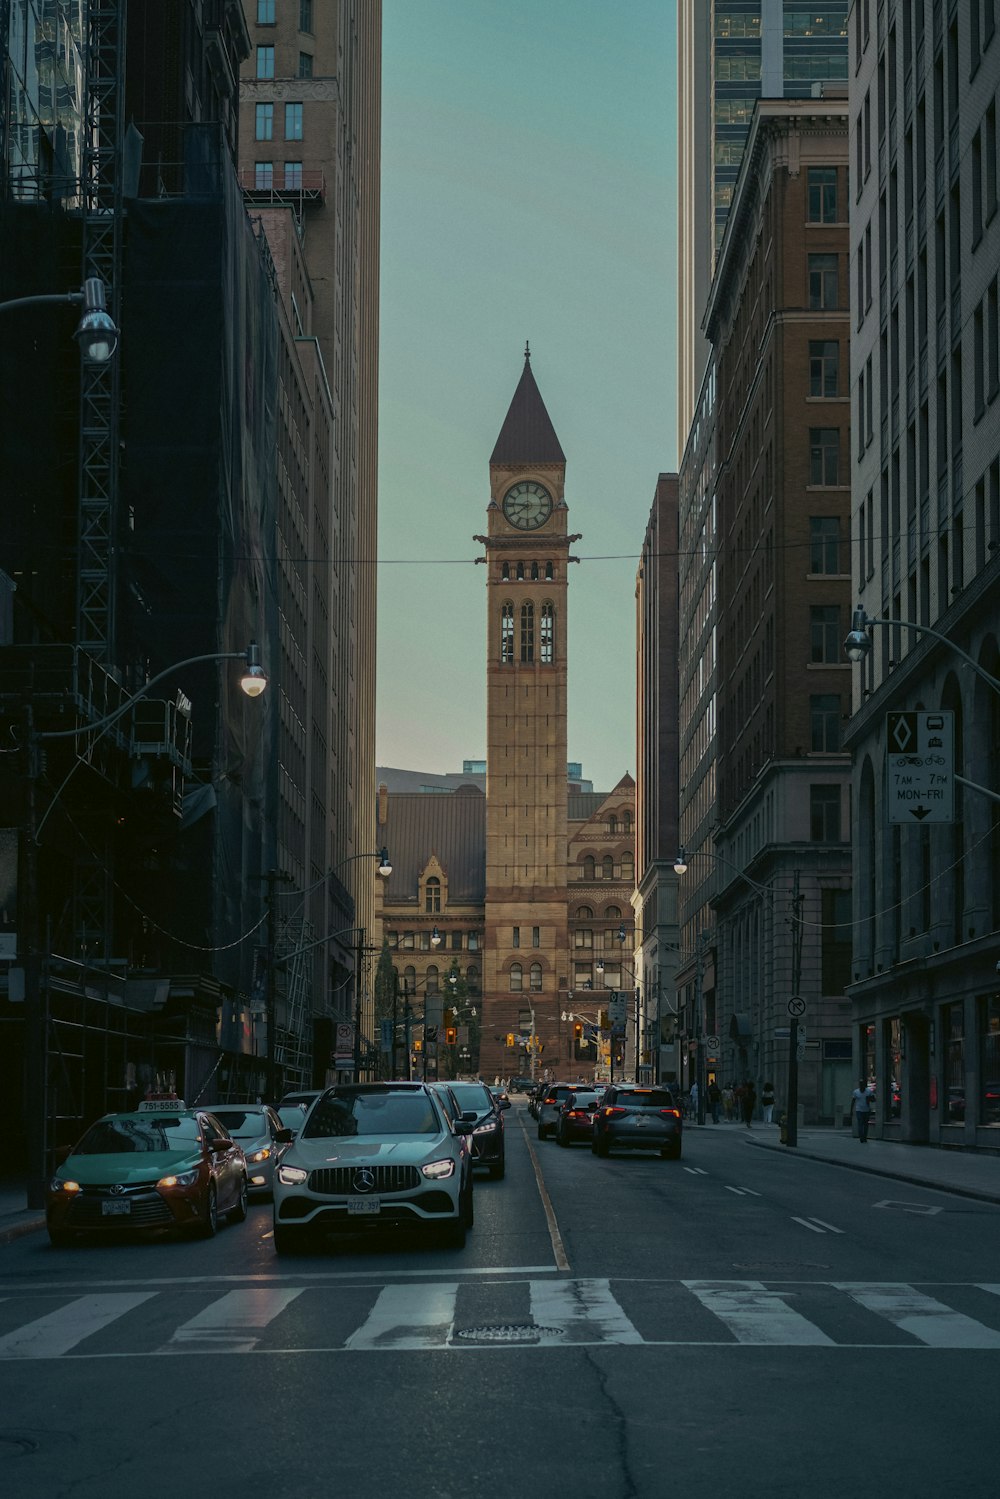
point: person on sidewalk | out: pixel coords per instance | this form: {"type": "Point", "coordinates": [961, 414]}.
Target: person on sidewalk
{"type": "Point", "coordinates": [693, 1101]}
{"type": "Point", "coordinates": [728, 1103]}
{"type": "Point", "coordinates": [767, 1102]}
{"type": "Point", "coordinates": [861, 1102]}
{"type": "Point", "coordinates": [748, 1102]}
{"type": "Point", "coordinates": [714, 1100]}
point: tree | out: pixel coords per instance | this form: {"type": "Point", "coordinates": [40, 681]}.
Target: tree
{"type": "Point", "coordinates": [457, 998]}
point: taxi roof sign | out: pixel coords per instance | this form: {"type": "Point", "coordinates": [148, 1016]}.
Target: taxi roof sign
{"type": "Point", "coordinates": [168, 1103]}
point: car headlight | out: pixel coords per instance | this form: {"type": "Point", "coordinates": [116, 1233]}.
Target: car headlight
{"type": "Point", "coordinates": [292, 1176]}
{"type": "Point", "coordinates": [438, 1170]}
{"type": "Point", "coordinates": [259, 1155]}
{"type": "Point", "coordinates": [58, 1185]}
{"type": "Point", "coordinates": [486, 1129]}
{"type": "Point", "coordinates": [179, 1179]}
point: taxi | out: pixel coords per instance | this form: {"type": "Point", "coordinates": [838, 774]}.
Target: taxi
{"type": "Point", "coordinates": [163, 1167]}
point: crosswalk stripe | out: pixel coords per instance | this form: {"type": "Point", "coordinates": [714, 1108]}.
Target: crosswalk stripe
{"type": "Point", "coordinates": [229, 1321]}
{"type": "Point", "coordinates": [921, 1316]}
{"type": "Point", "coordinates": [754, 1314]}
{"type": "Point", "coordinates": [587, 1307]}
{"type": "Point", "coordinates": [409, 1317]}
{"type": "Point", "coordinates": [59, 1331]}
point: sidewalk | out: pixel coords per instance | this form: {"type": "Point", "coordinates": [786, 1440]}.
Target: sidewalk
{"type": "Point", "coordinates": [16, 1218]}
{"type": "Point", "coordinates": [962, 1171]}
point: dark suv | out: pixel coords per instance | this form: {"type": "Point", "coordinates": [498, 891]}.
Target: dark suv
{"type": "Point", "coordinates": [631, 1117]}
{"type": "Point", "coordinates": [482, 1113]}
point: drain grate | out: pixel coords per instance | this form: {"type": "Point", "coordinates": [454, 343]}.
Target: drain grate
{"type": "Point", "coordinates": [508, 1332]}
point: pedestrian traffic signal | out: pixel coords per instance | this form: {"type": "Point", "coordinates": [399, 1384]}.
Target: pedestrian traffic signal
{"type": "Point", "coordinates": [451, 1034]}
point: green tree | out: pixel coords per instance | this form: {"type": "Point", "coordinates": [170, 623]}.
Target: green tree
{"type": "Point", "coordinates": [455, 989]}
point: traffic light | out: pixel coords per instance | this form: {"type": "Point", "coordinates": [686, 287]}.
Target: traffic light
{"type": "Point", "coordinates": [450, 1034]}
{"type": "Point", "coordinates": [605, 1020]}
{"type": "Point", "coordinates": [510, 1038]}
{"type": "Point", "coordinates": [418, 1044]}
{"type": "Point", "coordinates": [578, 1030]}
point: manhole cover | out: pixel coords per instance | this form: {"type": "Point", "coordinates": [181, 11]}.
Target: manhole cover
{"type": "Point", "coordinates": [508, 1332]}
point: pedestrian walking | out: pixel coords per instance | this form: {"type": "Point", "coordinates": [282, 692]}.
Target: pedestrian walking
{"type": "Point", "coordinates": [767, 1102]}
{"type": "Point", "coordinates": [861, 1102]}
{"type": "Point", "coordinates": [728, 1103]}
{"type": "Point", "coordinates": [748, 1102]}
{"type": "Point", "coordinates": [693, 1100]}
{"type": "Point", "coordinates": [714, 1100]}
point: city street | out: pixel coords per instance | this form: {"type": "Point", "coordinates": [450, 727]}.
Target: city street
{"type": "Point", "coordinates": [740, 1319]}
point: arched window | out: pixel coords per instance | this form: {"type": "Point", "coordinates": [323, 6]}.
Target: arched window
{"type": "Point", "coordinates": [613, 913]}
{"type": "Point", "coordinates": [585, 913]}
{"type": "Point", "coordinates": [409, 979]}
{"type": "Point", "coordinates": [588, 867]}
{"type": "Point", "coordinates": [506, 634]}
{"type": "Point", "coordinates": [472, 978]}
{"type": "Point", "coordinates": [432, 979]}
{"type": "Point", "coordinates": [432, 894]}
{"type": "Point", "coordinates": [626, 822]}
{"type": "Point", "coordinates": [628, 869]}
{"type": "Point", "coordinates": [548, 635]}
{"type": "Point", "coordinates": [516, 982]}
{"type": "Point", "coordinates": [607, 867]}
{"type": "Point", "coordinates": [612, 823]}
{"type": "Point", "coordinates": [534, 572]}
{"type": "Point", "coordinates": [527, 632]}
{"type": "Point", "coordinates": [548, 572]}
{"type": "Point", "coordinates": [505, 572]}
{"type": "Point", "coordinates": [520, 572]}
{"type": "Point", "coordinates": [535, 978]}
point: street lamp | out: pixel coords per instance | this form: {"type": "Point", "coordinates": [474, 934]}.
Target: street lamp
{"type": "Point", "coordinates": [36, 1040]}
{"type": "Point", "coordinates": [858, 642]}
{"type": "Point", "coordinates": [96, 332]}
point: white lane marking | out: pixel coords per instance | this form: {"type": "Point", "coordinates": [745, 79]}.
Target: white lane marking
{"type": "Point", "coordinates": [737, 1190]}
{"type": "Point", "coordinates": [830, 1228]}
{"type": "Point", "coordinates": [919, 1208]}
{"type": "Point", "coordinates": [806, 1224]}
{"type": "Point", "coordinates": [381, 1276]}
{"type": "Point", "coordinates": [558, 1248]}
{"type": "Point", "coordinates": [59, 1331]}
{"type": "Point", "coordinates": [921, 1316]}
{"type": "Point", "coordinates": [696, 1170]}
{"type": "Point", "coordinates": [756, 1315]}
{"type": "Point", "coordinates": [579, 1306]}
{"type": "Point", "coordinates": [228, 1321]}
{"type": "Point", "coordinates": [409, 1317]}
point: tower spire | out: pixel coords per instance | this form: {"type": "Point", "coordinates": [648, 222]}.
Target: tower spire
{"type": "Point", "coordinates": [527, 435]}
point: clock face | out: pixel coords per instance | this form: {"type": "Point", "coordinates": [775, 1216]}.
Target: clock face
{"type": "Point", "coordinates": [527, 505]}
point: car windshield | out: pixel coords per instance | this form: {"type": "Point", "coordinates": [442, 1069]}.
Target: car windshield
{"type": "Point", "coordinates": [646, 1098]}
{"type": "Point", "coordinates": [134, 1134]}
{"type": "Point", "coordinates": [374, 1113]}
{"type": "Point", "coordinates": [473, 1096]}
{"type": "Point", "coordinates": [242, 1124]}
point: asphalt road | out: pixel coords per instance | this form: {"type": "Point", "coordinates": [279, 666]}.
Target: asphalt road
{"type": "Point", "coordinates": [739, 1322]}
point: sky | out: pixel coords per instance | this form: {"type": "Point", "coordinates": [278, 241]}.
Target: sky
{"type": "Point", "coordinates": [528, 194]}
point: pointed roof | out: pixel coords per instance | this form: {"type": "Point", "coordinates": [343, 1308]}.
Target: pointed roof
{"type": "Point", "coordinates": [527, 435]}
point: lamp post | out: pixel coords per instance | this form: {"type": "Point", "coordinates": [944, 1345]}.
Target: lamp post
{"type": "Point", "coordinates": [253, 683]}
{"type": "Point", "coordinates": [96, 332]}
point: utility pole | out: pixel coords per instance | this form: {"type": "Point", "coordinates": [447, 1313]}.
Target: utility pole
{"type": "Point", "coordinates": [36, 1049]}
{"type": "Point", "coordinates": [359, 951]}
{"type": "Point", "coordinates": [792, 1110]}
{"type": "Point", "coordinates": [699, 1066]}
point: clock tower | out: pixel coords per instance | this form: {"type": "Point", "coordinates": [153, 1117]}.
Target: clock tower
{"type": "Point", "coordinates": [527, 558]}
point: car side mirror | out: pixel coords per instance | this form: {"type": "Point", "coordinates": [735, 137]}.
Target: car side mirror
{"type": "Point", "coordinates": [470, 1116]}
{"type": "Point", "coordinates": [284, 1136]}
{"type": "Point", "coordinates": [220, 1145]}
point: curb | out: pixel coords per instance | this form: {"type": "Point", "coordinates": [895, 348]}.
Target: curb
{"type": "Point", "coordinates": [903, 1176]}
{"type": "Point", "coordinates": [12, 1231]}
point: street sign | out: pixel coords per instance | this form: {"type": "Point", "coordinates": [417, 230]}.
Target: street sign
{"type": "Point", "coordinates": [920, 767]}
{"type": "Point", "coordinates": [618, 1009]}
{"type": "Point", "coordinates": [796, 1006]}
{"type": "Point", "coordinates": [713, 1043]}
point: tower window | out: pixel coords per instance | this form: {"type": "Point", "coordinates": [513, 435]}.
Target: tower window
{"type": "Point", "coordinates": [527, 632]}
{"type": "Point", "coordinates": [534, 572]}
{"type": "Point", "coordinates": [548, 572]}
{"type": "Point", "coordinates": [506, 634]}
{"type": "Point", "coordinates": [505, 573]}
{"type": "Point", "coordinates": [548, 635]}
{"type": "Point", "coordinates": [520, 572]}
{"type": "Point", "coordinates": [432, 894]}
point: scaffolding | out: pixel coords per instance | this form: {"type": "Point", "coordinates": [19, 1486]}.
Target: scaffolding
{"type": "Point", "coordinates": [293, 1042]}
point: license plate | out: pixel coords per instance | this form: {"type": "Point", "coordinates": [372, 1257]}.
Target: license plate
{"type": "Point", "coordinates": [363, 1206]}
{"type": "Point", "coordinates": [116, 1209]}
{"type": "Point", "coordinates": [641, 1123]}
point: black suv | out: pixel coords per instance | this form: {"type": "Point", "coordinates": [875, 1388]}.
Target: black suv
{"type": "Point", "coordinates": [484, 1114]}
{"type": "Point", "coordinates": [631, 1117]}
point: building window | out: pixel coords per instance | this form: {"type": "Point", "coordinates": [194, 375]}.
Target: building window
{"type": "Point", "coordinates": [473, 941]}
{"type": "Point", "coordinates": [824, 544]}
{"type": "Point", "coordinates": [432, 895]}
{"type": "Point", "coordinates": [824, 814]}
{"type": "Point", "coordinates": [583, 976]}
{"type": "Point", "coordinates": [989, 1059]}
{"type": "Point", "coordinates": [824, 367]}
{"type": "Point", "coordinates": [607, 867]}
{"type": "Point", "coordinates": [824, 455]}
{"type": "Point", "coordinates": [612, 977]}
{"type": "Point", "coordinates": [425, 941]}
{"type": "Point", "coordinates": [835, 952]}
{"type": "Point", "coordinates": [265, 62]}
{"type": "Point", "coordinates": [506, 634]}
{"type": "Point", "coordinates": [548, 635]}
{"type": "Point", "coordinates": [305, 15]}
{"type": "Point", "coordinates": [953, 1033]}
{"type": "Point", "coordinates": [824, 633]}
{"type": "Point", "coordinates": [505, 573]}
{"type": "Point", "coordinates": [293, 176]}
{"type": "Point", "coordinates": [263, 175]}
{"type": "Point", "coordinates": [456, 941]}
{"type": "Point", "coordinates": [409, 980]}
{"type": "Point", "coordinates": [627, 868]}
{"type": "Point", "coordinates": [432, 979]}
{"type": "Point", "coordinates": [472, 978]}
{"type": "Point", "coordinates": [305, 65]}
{"type": "Point", "coordinates": [824, 725]}
{"type": "Point", "coordinates": [822, 195]}
{"type": "Point", "coordinates": [536, 936]}
{"type": "Point", "coordinates": [548, 572]}
{"type": "Point", "coordinates": [824, 293]}
{"type": "Point", "coordinates": [527, 632]}
{"type": "Point", "coordinates": [265, 12]}
{"type": "Point", "coordinates": [589, 867]}
{"type": "Point", "coordinates": [515, 936]}
{"type": "Point", "coordinates": [535, 978]}
{"type": "Point", "coordinates": [293, 122]}
{"type": "Point", "coordinates": [263, 129]}
{"type": "Point", "coordinates": [583, 937]}
{"type": "Point", "coordinates": [408, 941]}
{"type": "Point", "coordinates": [516, 978]}
{"type": "Point", "coordinates": [626, 822]}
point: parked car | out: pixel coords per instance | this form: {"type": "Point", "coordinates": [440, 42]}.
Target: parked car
{"type": "Point", "coordinates": [482, 1110]}
{"type": "Point", "coordinates": [550, 1101]}
{"type": "Point", "coordinates": [372, 1158]}
{"type": "Point", "coordinates": [163, 1167]}
{"type": "Point", "coordinates": [522, 1085]}
{"type": "Point", "coordinates": [631, 1117]}
{"type": "Point", "coordinates": [255, 1128]}
{"type": "Point", "coordinates": [576, 1117]}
